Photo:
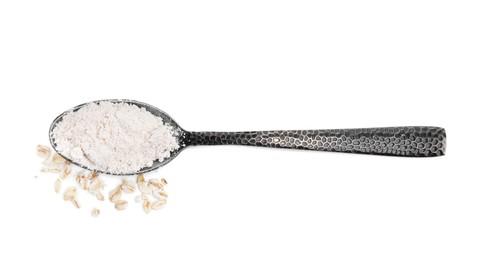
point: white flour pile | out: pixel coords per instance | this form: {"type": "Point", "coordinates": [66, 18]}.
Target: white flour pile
{"type": "Point", "coordinates": [114, 137]}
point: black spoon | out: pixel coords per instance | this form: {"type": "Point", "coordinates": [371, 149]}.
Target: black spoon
{"type": "Point", "coordinates": [409, 141]}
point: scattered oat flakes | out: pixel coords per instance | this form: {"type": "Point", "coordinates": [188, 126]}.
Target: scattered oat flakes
{"type": "Point", "coordinates": [65, 172]}
{"type": "Point", "coordinates": [95, 212]}
{"type": "Point", "coordinates": [115, 194]}
{"type": "Point", "coordinates": [43, 151]}
{"type": "Point", "coordinates": [70, 193]}
{"type": "Point", "coordinates": [154, 181]}
{"type": "Point", "coordinates": [91, 182]}
{"type": "Point", "coordinates": [99, 196]}
{"type": "Point", "coordinates": [143, 187]}
{"type": "Point", "coordinates": [57, 185]}
{"type": "Point", "coordinates": [58, 159]}
{"type": "Point", "coordinates": [163, 193]}
{"type": "Point", "coordinates": [79, 177]}
{"type": "Point", "coordinates": [157, 204]}
{"type": "Point", "coordinates": [159, 196]}
{"type": "Point", "coordinates": [147, 206]}
{"type": "Point", "coordinates": [95, 185]}
{"type": "Point", "coordinates": [93, 175]}
{"type": "Point", "coordinates": [121, 204]}
{"type": "Point", "coordinates": [50, 169]}
{"type": "Point", "coordinates": [128, 186]}
{"type": "Point", "coordinates": [154, 184]}
{"type": "Point", "coordinates": [140, 178]}
{"type": "Point", "coordinates": [163, 181]}
{"type": "Point", "coordinates": [75, 203]}
{"type": "Point", "coordinates": [84, 183]}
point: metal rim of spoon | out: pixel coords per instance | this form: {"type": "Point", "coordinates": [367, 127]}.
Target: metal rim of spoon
{"type": "Point", "coordinates": [405, 141]}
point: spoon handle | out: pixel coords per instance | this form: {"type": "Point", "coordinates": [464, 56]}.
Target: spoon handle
{"type": "Point", "coordinates": [412, 141]}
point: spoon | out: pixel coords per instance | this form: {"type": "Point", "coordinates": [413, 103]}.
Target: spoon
{"type": "Point", "coordinates": [407, 141]}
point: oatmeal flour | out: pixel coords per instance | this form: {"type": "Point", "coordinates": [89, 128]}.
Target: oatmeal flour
{"type": "Point", "coordinates": [114, 137]}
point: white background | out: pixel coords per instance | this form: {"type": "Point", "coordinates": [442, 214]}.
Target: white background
{"type": "Point", "coordinates": [249, 65]}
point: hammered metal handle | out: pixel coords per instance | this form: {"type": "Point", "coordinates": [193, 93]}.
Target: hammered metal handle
{"type": "Point", "coordinates": [413, 141]}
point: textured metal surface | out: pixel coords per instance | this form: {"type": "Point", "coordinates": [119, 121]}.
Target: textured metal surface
{"type": "Point", "coordinates": [411, 141]}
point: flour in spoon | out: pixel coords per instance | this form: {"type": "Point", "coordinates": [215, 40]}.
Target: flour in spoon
{"type": "Point", "coordinates": [114, 137]}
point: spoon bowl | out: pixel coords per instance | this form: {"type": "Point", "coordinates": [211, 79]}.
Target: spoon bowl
{"type": "Point", "coordinates": [404, 141]}
{"type": "Point", "coordinates": [178, 132]}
